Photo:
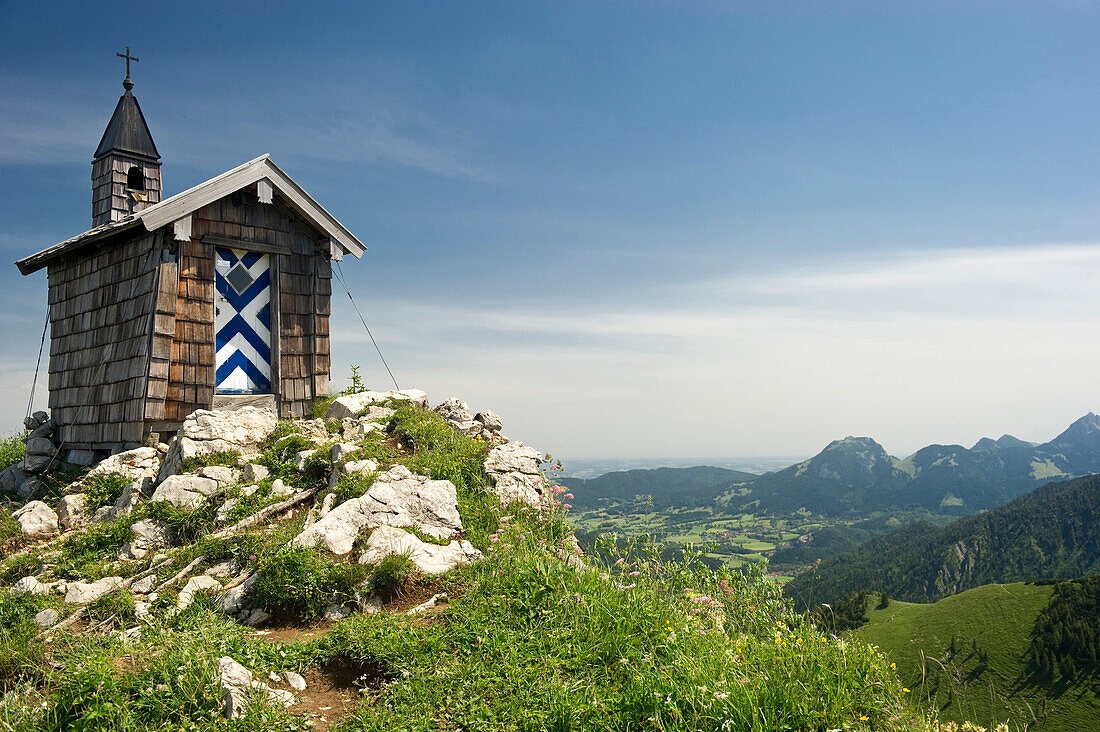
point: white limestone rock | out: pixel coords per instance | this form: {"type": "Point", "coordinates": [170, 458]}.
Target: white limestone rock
{"type": "Point", "coordinates": [513, 470]}
{"type": "Point", "coordinates": [221, 516]}
{"type": "Point", "coordinates": [81, 593]}
{"type": "Point", "coordinates": [224, 569]}
{"type": "Point", "coordinates": [31, 586]}
{"type": "Point", "coordinates": [254, 473]}
{"type": "Point", "coordinates": [72, 510]}
{"type": "Point", "coordinates": [185, 491]}
{"type": "Point", "coordinates": [36, 520]}
{"type": "Point", "coordinates": [351, 405]}
{"type": "Point", "coordinates": [147, 535]}
{"type": "Point", "coordinates": [145, 585]}
{"type": "Point", "coordinates": [194, 585]}
{"type": "Point", "coordinates": [428, 558]}
{"type": "Point", "coordinates": [314, 429]}
{"type": "Point", "coordinates": [205, 431]}
{"type": "Point", "coordinates": [46, 618]}
{"type": "Point", "coordinates": [432, 602]}
{"type": "Point", "coordinates": [222, 474]}
{"type": "Point", "coordinates": [490, 420]}
{"type": "Point", "coordinates": [352, 467]}
{"type": "Point", "coordinates": [130, 497]}
{"type": "Point", "coordinates": [141, 462]}
{"type": "Point", "coordinates": [294, 680]}
{"type": "Point", "coordinates": [238, 684]}
{"type": "Point", "coordinates": [280, 489]}
{"type": "Point", "coordinates": [300, 459]}
{"type": "Point", "coordinates": [509, 487]}
{"type": "Point", "coordinates": [396, 498]}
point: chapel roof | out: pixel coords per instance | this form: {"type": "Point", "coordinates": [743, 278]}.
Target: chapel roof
{"type": "Point", "coordinates": [184, 204]}
{"type": "Point", "coordinates": [127, 131]}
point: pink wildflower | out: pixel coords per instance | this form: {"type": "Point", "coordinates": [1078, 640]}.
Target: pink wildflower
{"type": "Point", "coordinates": [631, 586]}
{"type": "Point", "coordinates": [633, 574]}
{"type": "Point", "coordinates": [569, 496]}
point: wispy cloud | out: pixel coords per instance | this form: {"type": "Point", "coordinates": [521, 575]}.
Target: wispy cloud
{"type": "Point", "coordinates": [817, 345]}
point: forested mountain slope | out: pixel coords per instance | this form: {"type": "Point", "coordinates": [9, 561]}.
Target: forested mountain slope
{"type": "Point", "coordinates": [1051, 532]}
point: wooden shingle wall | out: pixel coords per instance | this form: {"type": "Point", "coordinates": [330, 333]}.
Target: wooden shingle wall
{"type": "Point", "coordinates": [191, 359]}
{"type": "Point", "coordinates": [305, 287]}
{"type": "Point", "coordinates": [99, 323]}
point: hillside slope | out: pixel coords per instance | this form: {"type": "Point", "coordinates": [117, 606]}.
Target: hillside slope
{"type": "Point", "coordinates": [1054, 531]}
{"type": "Point", "coordinates": [143, 614]}
{"type": "Point", "coordinates": [966, 656]}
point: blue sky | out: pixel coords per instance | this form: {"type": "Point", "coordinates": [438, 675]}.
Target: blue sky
{"type": "Point", "coordinates": [630, 228]}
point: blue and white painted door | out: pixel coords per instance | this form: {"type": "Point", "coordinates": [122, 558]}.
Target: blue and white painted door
{"type": "Point", "coordinates": [242, 322]}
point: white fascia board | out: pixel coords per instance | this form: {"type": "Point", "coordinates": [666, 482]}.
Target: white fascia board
{"type": "Point", "coordinates": [182, 204]}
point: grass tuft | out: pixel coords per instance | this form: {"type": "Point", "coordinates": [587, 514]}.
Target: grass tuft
{"type": "Point", "coordinates": [104, 489]}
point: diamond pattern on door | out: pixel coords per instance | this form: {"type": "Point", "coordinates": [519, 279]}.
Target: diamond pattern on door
{"type": "Point", "coordinates": [242, 322]}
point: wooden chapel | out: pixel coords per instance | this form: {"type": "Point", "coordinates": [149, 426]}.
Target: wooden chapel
{"type": "Point", "coordinates": [217, 295]}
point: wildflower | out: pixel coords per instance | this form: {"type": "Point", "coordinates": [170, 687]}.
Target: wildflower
{"type": "Point", "coordinates": [893, 665]}
{"type": "Point", "coordinates": [634, 574]}
{"type": "Point", "coordinates": [905, 689]}
{"type": "Point", "coordinates": [251, 556]}
{"type": "Point", "coordinates": [569, 496]}
{"type": "Point", "coordinates": [493, 537]}
{"type": "Point", "coordinates": [721, 694]}
{"type": "Point", "coordinates": [863, 718]}
{"type": "Point", "coordinates": [630, 586]}
{"type": "Point", "coordinates": [160, 687]}
{"type": "Point", "coordinates": [506, 519]}
{"type": "Point", "coordinates": [619, 562]}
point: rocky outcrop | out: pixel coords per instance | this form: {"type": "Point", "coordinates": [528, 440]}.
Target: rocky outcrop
{"type": "Point", "coordinates": [485, 425]}
{"type": "Point", "coordinates": [195, 585]}
{"type": "Point", "coordinates": [513, 471]}
{"type": "Point", "coordinates": [185, 491]}
{"type": "Point", "coordinates": [72, 510]}
{"type": "Point", "coordinates": [396, 498]}
{"type": "Point", "coordinates": [239, 686]}
{"type": "Point", "coordinates": [352, 405]}
{"type": "Point", "coordinates": [40, 455]}
{"type": "Point", "coordinates": [204, 432]}
{"type": "Point", "coordinates": [81, 593]}
{"type": "Point", "coordinates": [428, 558]}
{"type": "Point", "coordinates": [36, 520]}
{"type": "Point", "coordinates": [141, 462]}
{"type": "Point", "coordinates": [147, 536]}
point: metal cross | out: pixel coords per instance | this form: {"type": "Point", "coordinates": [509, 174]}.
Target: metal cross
{"type": "Point", "coordinates": [128, 58]}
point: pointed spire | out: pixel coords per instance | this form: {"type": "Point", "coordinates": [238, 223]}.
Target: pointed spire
{"type": "Point", "coordinates": [127, 132]}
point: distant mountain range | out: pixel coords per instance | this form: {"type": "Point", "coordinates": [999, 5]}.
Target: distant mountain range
{"type": "Point", "coordinates": [1052, 532]}
{"type": "Point", "coordinates": [676, 487]}
{"type": "Point", "coordinates": [856, 475]}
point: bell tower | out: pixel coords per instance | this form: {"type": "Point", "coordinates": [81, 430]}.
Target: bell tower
{"type": "Point", "coordinates": [126, 165]}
